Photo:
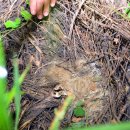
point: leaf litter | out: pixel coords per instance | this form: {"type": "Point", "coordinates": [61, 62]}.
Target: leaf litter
{"type": "Point", "coordinates": [86, 53]}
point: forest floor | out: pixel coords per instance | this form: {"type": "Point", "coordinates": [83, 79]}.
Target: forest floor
{"type": "Point", "coordinates": [82, 47]}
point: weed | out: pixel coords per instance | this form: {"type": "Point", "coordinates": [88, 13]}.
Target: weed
{"type": "Point", "coordinates": [17, 22]}
{"type": "Point", "coordinates": [13, 24]}
{"type": "Point", "coordinates": [127, 10]}
{"type": "Point", "coordinates": [25, 14]}
{"type": "Point", "coordinates": [6, 97]}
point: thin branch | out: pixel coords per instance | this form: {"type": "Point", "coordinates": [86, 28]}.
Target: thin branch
{"type": "Point", "coordinates": [74, 17]}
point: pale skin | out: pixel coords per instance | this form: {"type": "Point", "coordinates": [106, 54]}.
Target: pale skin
{"type": "Point", "coordinates": [41, 7]}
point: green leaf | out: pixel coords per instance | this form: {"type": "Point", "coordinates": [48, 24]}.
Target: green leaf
{"type": "Point", "coordinates": [128, 15]}
{"type": "Point", "coordinates": [129, 4]}
{"type": "Point", "coordinates": [127, 10]}
{"type": "Point", "coordinates": [79, 112]}
{"type": "Point", "coordinates": [18, 21]}
{"type": "Point", "coordinates": [25, 14]}
{"type": "Point", "coordinates": [13, 24]}
{"type": "Point", "coordinates": [27, 2]}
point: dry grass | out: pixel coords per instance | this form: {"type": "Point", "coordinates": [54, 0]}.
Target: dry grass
{"type": "Point", "coordinates": [94, 30]}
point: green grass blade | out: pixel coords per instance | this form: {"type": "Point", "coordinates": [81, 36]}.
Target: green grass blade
{"type": "Point", "coordinates": [23, 75]}
{"type": "Point", "coordinates": [120, 126]}
{"type": "Point", "coordinates": [17, 92]}
{"type": "Point", "coordinates": [12, 93]}
{"type": "Point", "coordinates": [60, 113]}
{"type": "Point", "coordinates": [3, 71]}
{"type": "Point", "coordinates": [5, 119]}
{"type": "Point", "coordinates": [2, 54]}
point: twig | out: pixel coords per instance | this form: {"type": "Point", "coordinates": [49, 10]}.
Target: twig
{"type": "Point", "coordinates": [59, 3]}
{"type": "Point", "coordinates": [74, 17]}
{"type": "Point", "coordinates": [12, 4]}
{"type": "Point", "coordinates": [36, 46]}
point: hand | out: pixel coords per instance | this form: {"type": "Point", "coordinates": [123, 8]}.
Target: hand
{"type": "Point", "coordinates": [41, 7]}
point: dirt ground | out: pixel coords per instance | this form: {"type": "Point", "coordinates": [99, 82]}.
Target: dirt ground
{"type": "Point", "coordinates": [83, 47]}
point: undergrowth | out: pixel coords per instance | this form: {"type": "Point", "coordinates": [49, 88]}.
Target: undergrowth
{"type": "Point", "coordinates": [7, 97]}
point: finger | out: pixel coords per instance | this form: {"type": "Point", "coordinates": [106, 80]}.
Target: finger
{"type": "Point", "coordinates": [33, 7]}
{"type": "Point", "coordinates": [39, 9]}
{"type": "Point", "coordinates": [46, 7]}
{"type": "Point", "coordinates": [53, 2]}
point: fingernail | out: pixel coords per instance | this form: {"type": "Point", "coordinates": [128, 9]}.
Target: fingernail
{"type": "Point", "coordinates": [33, 12]}
{"type": "Point", "coordinates": [46, 14]}
{"type": "Point", "coordinates": [52, 4]}
{"type": "Point", "coordinates": [40, 17]}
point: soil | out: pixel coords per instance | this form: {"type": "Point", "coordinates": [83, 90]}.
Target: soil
{"type": "Point", "coordinates": [82, 48]}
